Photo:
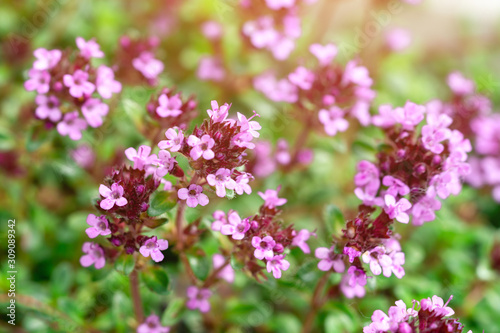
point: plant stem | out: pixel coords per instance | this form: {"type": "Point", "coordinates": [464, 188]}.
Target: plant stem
{"type": "Point", "coordinates": [136, 296]}
{"type": "Point", "coordinates": [178, 224]}
{"type": "Point", "coordinates": [315, 303]}
{"type": "Point", "coordinates": [213, 276]}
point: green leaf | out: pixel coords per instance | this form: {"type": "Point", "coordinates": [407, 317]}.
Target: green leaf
{"type": "Point", "coordinates": [153, 223]}
{"type": "Point", "coordinates": [156, 279]}
{"type": "Point", "coordinates": [230, 194]}
{"type": "Point", "coordinates": [334, 219]}
{"type": "Point", "coordinates": [125, 264]}
{"type": "Point", "coordinates": [200, 266]}
{"type": "Point", "coordinates": [235, 264]}
{"type": "Point", "coordinates": [160, 203]}
{"type": "Point", "coordinates": [171, 315]}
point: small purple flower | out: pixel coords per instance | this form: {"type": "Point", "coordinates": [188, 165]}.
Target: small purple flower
{"type": "Point", "coordinates": [220, 220]}
{"type": "Point", "coordinates": [218, 114]}
{"type": "Point", "coordinates": [94, 255]}
{"type": "Point", "coordinates": [243, 140]}
{"type": "Point", "coordinates": [437, 305]}
{"type": "Point", "coordinates": [436, 131]}
{"type": "Point", "coordinates": [153, 247]}
{"type": "Point", "coordinates": [300, 239]}
{"type": "Point", "coordinates": [46, 59]}
{"type": "Point", "coordinates": [169, 106]}
{"type": "Point", "coordinates": [236, 226]}
{"type": "Point", "coordinates": [78, 84]}
{"type": "Point", "coordinates": [386, 117]}
{"type": "Point", "coordinates": [72, 126]}
{"type": "Point", "coordinates": [89, 49]}
{"type": "Point", "coordinates": [148, 65]}
{"type": "Point", "coordinates": [263, 247]}
{"type": "Point", "coordinates": [221, 180]}
{"type": "Point", "coordinates": [398, 209]}
{"type": "Point", "coordinates": [357, 75]}
{"type": "Point", "coordinates": [446, 183]}
{"type": "Point", "coordinates": [410, 115]}
{"type": "Point", "coordinates": [193, 195]}
{"type": "Point", "coordinates": [352, 253]}
{"type": "Point", "coordinates": [276, 264]}
{"type": "Point", "coordinates": [152, 325]}
{"type": "Point", "coordinates": [249, 125]}
{"type": "Point", "coordinates": [106, 83]}
{"type": "Point", "coordinates": [39, 80]}
{"type": "Point", "coordinates": [329, 259]}
{"type": "Point", "coordinates": [98, 226]}
{"type": "Point", "coordinates": [93, 110]}
{"type": "Point", "coordinates": [241, 184]}
{"type": "Point", "coordinates": [423, 210]}
{"type": "Point", "coordinates": [141, 157]}
{"type": "Point", "coordinates": [210, 69]}
{"type": "Point", "coordinates": [333, 120]}
{"type": "Point", "coordinates": [48, 107]}
{"type": "Point", "coordinates": [302, 78]}
{"type": "Point", "coordinates": [396, 186]}
{"type": "Point", "coordinates": [83, 155]}
{"type": "Point", "coordinates": [324, 53]}
{"type": "Point", "coordinates": [201, 147]}
{"type": "Point", "coordinates": [165, 163]}
{"type": "Point", "coordinates": [271, 198]}
{"type": "Point", "coordinates": [227, 273]}
{"type": "Point", "coordinates": [377, 259]}
{"type": "Point", "coordinates": [174, 142]}
{"type": "Point", "coordinates": [352, 284]}
{"type": "Point", "coordinates": [459, 84]}
{"type": "Point", "coordinates": [198, 298]}
{"type": "Point", "coordinates": [112, 196]}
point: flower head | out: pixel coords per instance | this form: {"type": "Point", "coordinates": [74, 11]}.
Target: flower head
{"type": "Point", "coordinates": [153, 247]}
{"type": "Point", "coordinates": [39, 80]}
{"type": "Point", "coordinates": [98, 226]}
{"type": "Point", "coordinates": [72, 126]}
{"type": "Point", "coordinates": [329, 259]}
{"type": "Point", "coordinates": [113, 196]}
{"type": "Point", "coordinates": [235, 226]}
{"type": "Point", "coordinates": [48, 107]}
{"type": "Point", "coordinates": [174, 142]}
{"type": "Point", "coordinates": [152, 325]}
{"type": "Point", "coordinates": [198, 298]}
{"type": "Point", "coordinates": [226, 273]}
{"type": "Point", "coordinates": [46, 59]}
{"type": "Point", "coordinates": [141, 157]}
{"type": "Point", "coordinates": [276, 264]}
{"type": "Point", "coordinates": [169, 106]}
{"type": "Point", "coordinates": [94, 255]}
{"type": "Point", "coordinates": [89, 49]}
{"type": "Point", "coordinates": [263, 247]}
{"type": "Point", "coordinates": [78, 84]}
{"type": "Point", "coordinates": [201, 147]}
{"type": "Point", "coordinates": [193, 195]}
{"type": "Point", "coordinates": [221, 180]}
{"type": "Point", "coordinates": [271, 198]}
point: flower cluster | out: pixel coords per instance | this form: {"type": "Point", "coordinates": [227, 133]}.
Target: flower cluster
{"type": "Point", "coordinates": [170, 110]}
{"type": "Point", "coordinates": [140, 55]}
{"type": "Point", "coordinates": [124, 203]}
{"type": "Point", "coordinates": [472, 115]}
{"type": "Point", "coordinates": [334, 90]}
{"type": "Point", "coordinates": [272, 25]}
{"type": "Point", "coordinates": [152, 324]}
{"type": "Point", "coordinates": [69, 87]}
{"type": "Point", "coordinates": [261, 237]}
{"type": "Point", "coordinates": [433, 316]}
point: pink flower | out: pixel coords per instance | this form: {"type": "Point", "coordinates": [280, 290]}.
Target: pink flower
{"type": "Point", "coordinates": [410, 115]}
{"type": "Point", "coordinates": [398, 39]}
{"type": "Point", "coordinates": [445, 184]}
{"type": "Point", "coordinates": [300, 238]}
{"type": "Point", "coordinates": [437, 305]}
{"type": "Point", "coordinates": [276, 264]}
{"type": "Point", "coordinates": [227, 273]}
{"type": "Point", "coordinates": [169, 107]}
{"type": "Point", "coordinates": [329, 259]}
{"type": "Point", "coordinates": [78, 84]}
{"type": "Point", "coordinates": [106, 83]}
{"type": "Point", "coordinates": [221, 180]}
{"type": "Point", "coordinates": [324, 53]}
{"type": "Point", "coordinates": [140, 157]}
{"type": "Point", "coordinates": [193, 195]}
{"type": "Point", "coordinates": [94, 255]}
{"type": "Point", "coordinates": [46, 59]}
{"type": "Point", "coordinates": [210, 69]}
{"type": "Point", "coordinates": [212, 30]}
{"type": "Point", "coordinates": [48, 107]}
{"type": "Point", "coordinates": [72, 126]}
{"type": "Point", "coordinates": [277, 91]}
{"type": "Point", "coordinates": [220, 220]}
{"type": "Point", "coordinates": [261, 32]}
{"type": "Point", "coordinates": [153, 247]}
{"type": "Point", "coordinates": [198, 298]}
{"type": "Point", "coordinates": [367, 181]}
{"type": "Point", "coordinates": [241, 184]}
{"type": "Point", "coordinates": [83, 156]}
{"type": "Point", "coordinates": [263, 247]}
{"type": "Point", "coordinates": [378, 260]}
{"type": "Point", "coordinates": [333, 120]}
{"type": "Point", "coordinates": [201, 147]}
{"type": "Point", "coordinates": [396, 186]}
{"type": "Point", "coordinates": [351, 252]}
{"type": "Point", "coordinates": [459, 84]}
{"type": "Point", "coordinates": [112, 196]}
{"type": "Point", "coordinates": [93, 110]}
{"type": "Point", "coordinates": [385, 118]}
{"type": "Point", "coordinates": [423, 210]}
{"type": "Point", "coordinates": [89, 49]}
{"type": "Point", "coordinates": [249, 125]}
{"type": "Point", "coordinates": [174, 142]}
{"type": "Point", "coordinates": [355, 74]}
{"type": "Point", "coordinates": [243, 140]}
{"type": "Point", "coordinates": [278, 4]}
{"type": "Point", "coordinates": [152, 325]}
{"type": "Point", "coordinates": [302, 78]}
{"type": "Point", "coordinates": [236, 226]}
{"type": "Point", "coordinates": [436, 131]}
{"type": "Point", "coordinates": [398, 209]}
{"type": "Point", "coordinates": [271, 198]}
{"type": "Point", "coordinates": [218, 114]}
{"type": "Point", "coordinates": [147, 65]}
{"type": "Point", "coordinates": [39, 80]}
{"type": "Point", "coordinates": [98, 226]}
{"type": "Point", "coordinates": [165, 163]}
{"type": "Point", "coordinates": [352, 284]}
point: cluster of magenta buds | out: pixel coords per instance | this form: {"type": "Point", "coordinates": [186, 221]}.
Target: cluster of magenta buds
{"type": "Point", "coordinates": [338, 92]}
{"type": "Point", "coordinates": [70, 89]}
{"type": "Point", "coordinates": [261, 237]}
